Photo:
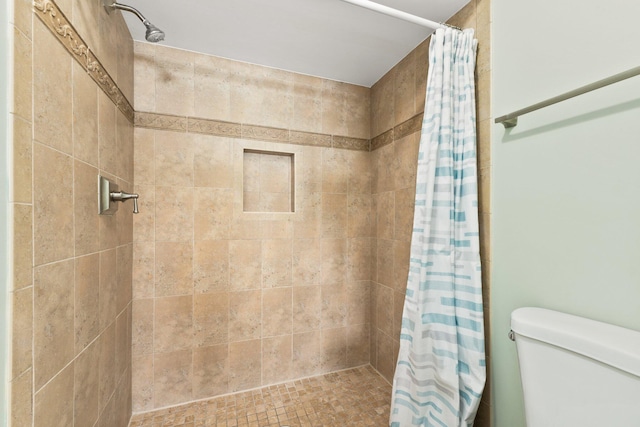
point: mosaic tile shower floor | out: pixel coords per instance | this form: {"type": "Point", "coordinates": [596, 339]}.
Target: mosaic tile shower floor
{"type": "Point", "coordinates": [355, 397]}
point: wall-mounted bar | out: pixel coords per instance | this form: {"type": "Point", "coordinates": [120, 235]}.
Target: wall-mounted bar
{"type": "Point", "coordinates": [386, 10]}
{"type": "Point", "coordinates": [511, 120]}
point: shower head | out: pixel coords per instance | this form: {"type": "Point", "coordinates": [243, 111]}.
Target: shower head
{"type": "Point", "coordinates": [154, 34]}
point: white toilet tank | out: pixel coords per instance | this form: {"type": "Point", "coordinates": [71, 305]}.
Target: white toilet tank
{"type": "Point", "coordinates": [577, 372]}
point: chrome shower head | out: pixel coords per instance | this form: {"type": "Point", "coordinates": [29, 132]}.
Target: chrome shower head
{"type": "Point", "coordinates": [154, 34]}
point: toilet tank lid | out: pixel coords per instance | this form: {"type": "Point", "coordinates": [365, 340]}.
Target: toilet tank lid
{"type": "Point", "coordinates": [613, 345]}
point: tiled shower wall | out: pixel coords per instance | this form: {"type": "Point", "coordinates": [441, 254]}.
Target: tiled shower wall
{"type": "Point", "coordinates": [227, 300]}
{"type": "Point", "coordinates": [71, 269]}
{"type": "Point", "coordinates": [397, 104]}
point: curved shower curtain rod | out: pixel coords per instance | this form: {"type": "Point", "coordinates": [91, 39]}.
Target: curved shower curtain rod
{"type": "Point", "coordinates": [386, 10]}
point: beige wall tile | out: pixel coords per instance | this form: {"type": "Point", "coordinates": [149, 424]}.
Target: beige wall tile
{"type": "Point", "coordinates": [210, 371]}
{"type": "Point", "coordinates": [398, 306]}
{"type": "Point", "coordinates": [307, 103]}
{"type": "Point", "coordinates": [108, 228]}
{"type": "Point", "coordinates": [173, 159]}
{"type": "Point", "coordinates": [401, 260]}
{"type": "Point", "coordinates": [335, 170]}
{"type": "Point", "coordinates": [107, 366]}
{"type": "Point", "coordinates": [358, 345]}
{"type": "Point", "coordinates": [404, 207]}
{"type": "Point", "coordinates": [385, 218]}
{"type": "Point", "coordinates": [124, 217]}
{"type": "Point", "coordinates": [385, 356]}
{"type": "Point", "coordinates": [53, 404]}
{"type": "Point", "coordinates": [212, 88]}
{"type": "Point", "coordinates": [211, 319]}
{"type": "Point", "coordinates": [174, 268]}
{"type": "Point", "coordinates": [144, 223]}
{"type": "Point", "coordinates": [53, 184]}
{"type": "Point", "coordinates": [108, 287]}
{"type": "Point", "coordinates": [406, 156]}
{"type": "Point", "coordinates": [143, 156]}
{"type": "Point", "coordinates": [123, 346]}
{"type": "Point", "coordinates": [277, 312]}
{"type": "Point", "coordinates": [143, 270]}
{"type": "Point", "coordinates": [22, 161]}
{"type": "Point", "coordinates": [53, 320]}
{"type": "Point", "coordinates": [86, 390]}
{"type": "Point", "coordinates": [358, 302]}
{"type": "Point", "coordinates": [385, 262]}
{"type": "Point", "coordinates": [107, 140]}
{"type": "Point", "coordinates": [357, 110]}
{"type": "Point", "coordinates": [276, 263]}
{"type": "Point", "coordinates": [306, 267]}
{"type": "Point", "coordinates": [21, 400]}
{"type": "Point", "coordinates": [85, 116]}
{"type": "Point", "coordinates": [307, 308]}
{"type": "Point", "coordinates": [174, 214]}
{"type": "Point", "coordinates": [245, 365]}
{"type": "Point", "coordinates": [384, 309]}
{"type": "Point", "coordinates": [22, 16]}
{"type": "Point", "coordinates": [212, 162]}
{"type": "Point", "coordinates": [359, 259]}
{"type": "Point", "coordinates": [245, 315]}
{"type": "Point", "coordinates": [173, 324]}
{"type": "Point", "coordinates": [334, 215]}
{"type": "Point", "coordinates": [144, 79]}
{"type": "Point", "coordinates": [334, 349]}
{"type": "Point", "coordinates": [124, 152]}
{"type": "Point", "coordinates": [382, 107]}
{"type": "Point", "coordinates": [405, 88]}
{"type": "Point", "coordinates": [334, 260]}
{"type": "Point", "coordinates": [142, 326]}
{"type": "Point", "coordinates": [210, 266]}
{"type": "Point", "coordinates": [307, 355]}
{"type": "Point", "coordinates": [245, 264]}
{"type": "Point", "coordinates": [308, 227]}
{"type": "Point", "coordinates": [87, 307]}
{"type": "Point", "coordinates": [22, 246]}
{"type": "Point", "coordinates": [174, 81]}
{"type": "Point", "coordinates": [213, 209]}
{"type": "Point", "coordinates": [276, 359]}
{"type": "Point", "coordinates": [142, 382]}
{"type": "Point", "coordinates": [86, 229]}
{"type": "Point", "coordinates": [173, 378]}
{"type": "Point", "coordinates": [51, 91]}
{"type": "Point", "coordinates": [360, 173]}
{"type": "Point", "coordinates": [22, 332]}
{"type": "Point", "coordinates": [360, 215]}
{"type": "Point", "coordinates": [334, 306]}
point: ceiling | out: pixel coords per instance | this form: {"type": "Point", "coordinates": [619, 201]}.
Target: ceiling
{"type": "Point", "coordinates": [325, 38]}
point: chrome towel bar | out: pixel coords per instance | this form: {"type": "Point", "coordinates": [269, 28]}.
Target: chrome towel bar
{"type": "Point", "coordinates": [511, 120]}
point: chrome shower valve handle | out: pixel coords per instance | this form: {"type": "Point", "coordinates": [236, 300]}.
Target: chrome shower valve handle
{"type": "Point", "coordinates": [121, 196]}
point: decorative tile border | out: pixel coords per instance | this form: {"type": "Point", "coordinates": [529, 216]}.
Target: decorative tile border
{"type": "Point", "coordinates": [51, 15]}
{"type": "Point", "coordinates": [382, 140]}
{"type": "Point", "coordinates": [161, 121]}
{"type": "Point", "coordinates": [264, 133]}
{"type": "Point", "coordinates": [242, 130]}
{"type": "Point", "coordinates": [414, 124]}
{"type": "Point", "coordinates": [214, 127]}
{"type": "Point", "coordinates": [351, 143]}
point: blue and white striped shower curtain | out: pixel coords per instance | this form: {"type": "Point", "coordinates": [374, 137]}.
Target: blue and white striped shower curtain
{"type": "Point", "coordinates": [440, 373]}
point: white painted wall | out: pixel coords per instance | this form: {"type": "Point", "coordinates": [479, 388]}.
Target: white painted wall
{"type": "Point", "coordinates": [5, 131]}
{"type": "Point", "coordinates": [566, 183]}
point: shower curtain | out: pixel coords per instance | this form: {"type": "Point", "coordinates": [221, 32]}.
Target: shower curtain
{"type": "Point", "coordinates": [440, 372]}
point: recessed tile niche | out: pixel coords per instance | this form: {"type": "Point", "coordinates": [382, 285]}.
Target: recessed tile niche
{"type": "Point", "coordinates": [268, 181]}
